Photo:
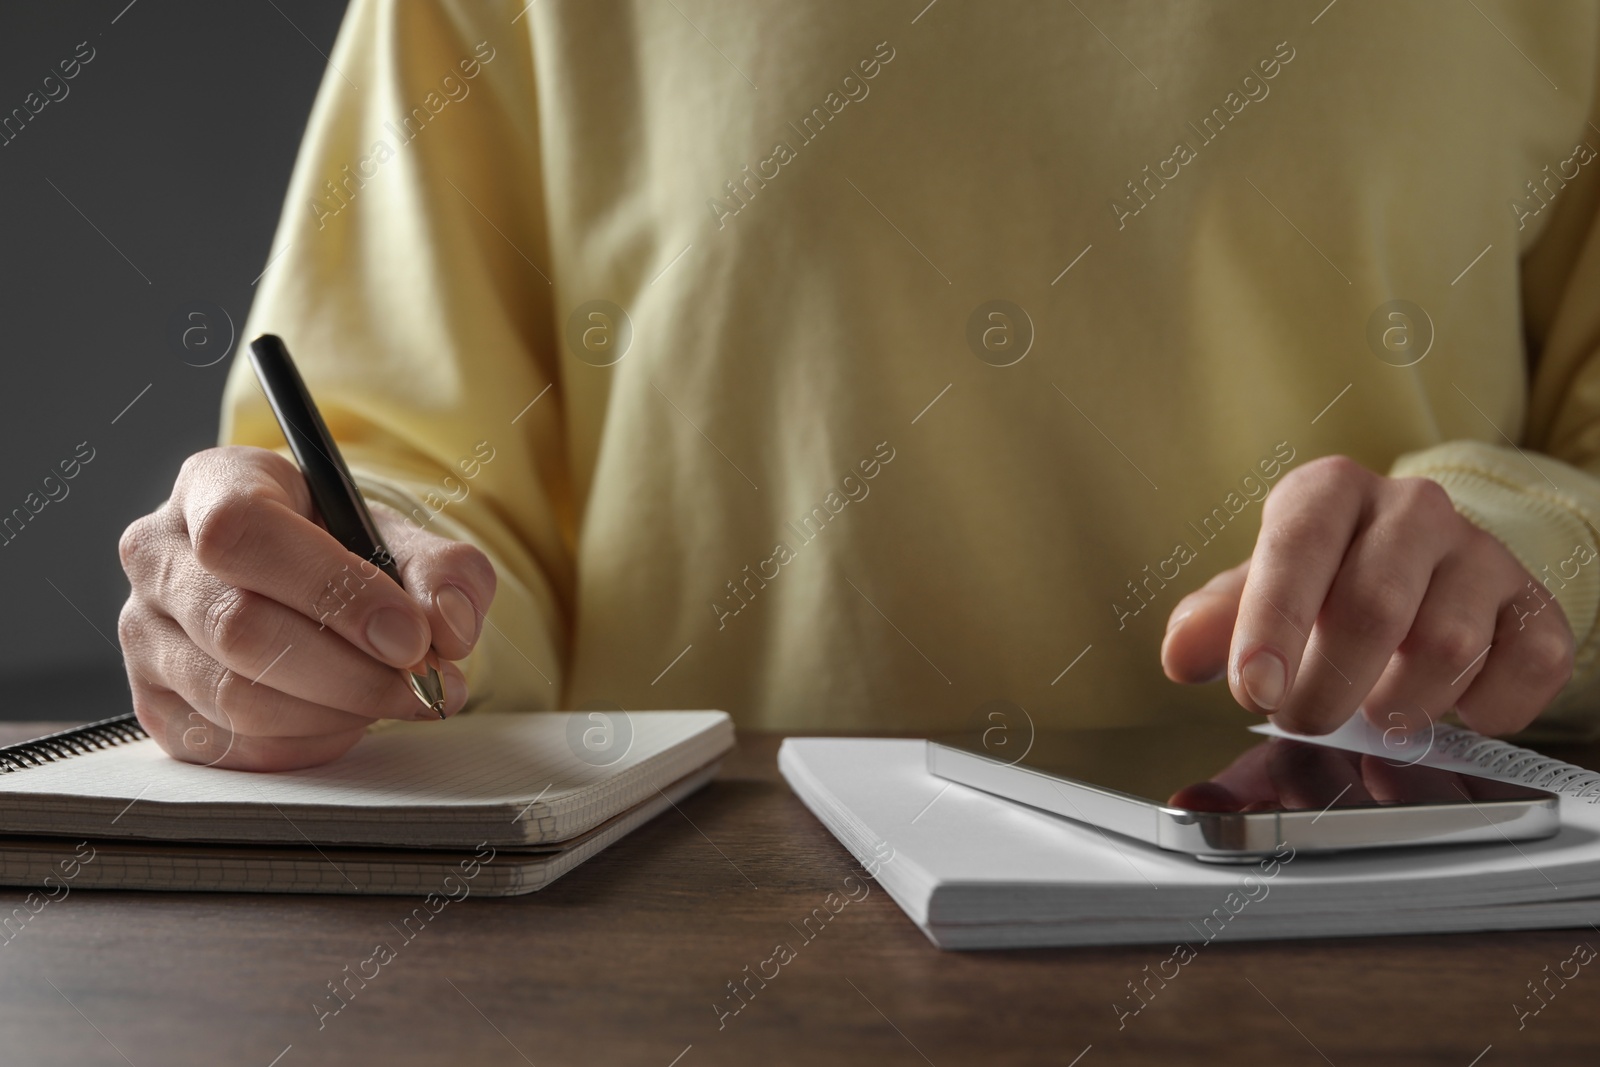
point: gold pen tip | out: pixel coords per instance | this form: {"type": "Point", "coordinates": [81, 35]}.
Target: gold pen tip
{"type": "Point", "coordinates": [438, 705]}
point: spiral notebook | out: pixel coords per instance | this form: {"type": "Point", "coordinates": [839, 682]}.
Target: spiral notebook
{"type": "Point", "coordinates": [518, 799]}
{"type": "Point", "coordinates": [975, 871]}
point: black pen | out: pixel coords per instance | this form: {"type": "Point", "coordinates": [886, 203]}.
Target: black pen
{"type": "Point", "coordinates": [333, 491]}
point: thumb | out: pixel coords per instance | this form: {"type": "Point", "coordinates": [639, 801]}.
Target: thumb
{"type": "Point", "coordinates": [1200, 628]}
{"type": "Point", "coordinates": [452, 581]}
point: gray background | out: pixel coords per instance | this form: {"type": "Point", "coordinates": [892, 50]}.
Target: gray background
{"type": "Point", "coordinates": [175, 142]}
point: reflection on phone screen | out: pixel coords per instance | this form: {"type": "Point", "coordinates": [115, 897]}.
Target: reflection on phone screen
{"type": "Point", "coordinates": [1284, 775]}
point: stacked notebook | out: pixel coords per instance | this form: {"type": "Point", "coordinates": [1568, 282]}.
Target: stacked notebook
{"type": "Point", "coordinates": [975, 871]}
{"type": "Point", "coordinates": [517, 800]}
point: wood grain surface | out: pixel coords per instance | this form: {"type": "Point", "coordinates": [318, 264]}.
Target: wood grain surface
{"type": "Point", "coordinates": [628, 960]}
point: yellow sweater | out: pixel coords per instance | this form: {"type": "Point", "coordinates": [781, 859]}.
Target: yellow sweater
{"type": "Point", "coordinates": [853, 365]}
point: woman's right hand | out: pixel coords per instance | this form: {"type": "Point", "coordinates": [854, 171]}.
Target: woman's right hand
{"type": "Point", "coordinates": [254, 640]}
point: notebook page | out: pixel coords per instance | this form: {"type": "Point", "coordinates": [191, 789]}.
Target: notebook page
{"type": "Point", "coordinates": [472, 760]}
{"type": "Point", "coordinates": [980, 858]}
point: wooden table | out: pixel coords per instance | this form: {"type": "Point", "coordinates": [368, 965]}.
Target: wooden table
{"type": "Point", "coordinates": [624, 960]}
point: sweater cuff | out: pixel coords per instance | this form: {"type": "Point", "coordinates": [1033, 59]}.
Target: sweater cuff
{"type": "Point", "coordinates": [1546, 513]}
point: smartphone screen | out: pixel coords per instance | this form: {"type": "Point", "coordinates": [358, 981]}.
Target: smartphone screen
{"type": "Point", "coordinates": [1224, 768]}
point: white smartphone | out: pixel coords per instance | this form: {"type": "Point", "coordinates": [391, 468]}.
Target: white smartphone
{"type": "Point", "coordinates": [1227, 794]}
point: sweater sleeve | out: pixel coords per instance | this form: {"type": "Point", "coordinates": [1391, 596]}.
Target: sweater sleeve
{"type": "Point", "coordinates": [1541, 495]}
{"type": "Point", "coordinates": [405, 277]}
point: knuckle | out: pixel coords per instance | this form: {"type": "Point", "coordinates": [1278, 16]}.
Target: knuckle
{"type": "Point", "coordinates": [243, 453]}
{"type": "Point", "coordinates": [1339, 468]}
{"type": "Point", "coordinates": [197, 465]}
{"type": "Point", "coordinates": [230, 623]}
{"type": "Point", "coordinates": [1423, 500]}
{"type": "Point", "coordinates": [1309, 499]}
{"type": "Point", "coordinates": [145, 550]}
{"type": "Point", "coordinates": [220, 527]}
{"type": "Point", "coordinates": [1546, 656]}
{"type": "Point", "coordinates": [1340, 471]}
{"type": "Point", "coordinates": [264, 459]}
{"type": "Point", "coordinates": [133, 629]}
{"type": "Point", "coordinates": [1451, 645]}
{"type": "Point", "coordinates": [130, 626]}
{"type": "Point", "coordinates": [133, 543]}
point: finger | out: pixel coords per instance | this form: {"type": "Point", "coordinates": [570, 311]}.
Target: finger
{"type": "Point", "coordinates": [159, 649]}
{"type": "Point", "coordinates": [1404, 783]}
{"type": "Point", "coordinates": [1247, 775]}
{"type": "Point", "coordinates": [1528, 664]}
{"type": "Point", "coordinates": [171, 723]}
{"type": "Point", "coordinates": [1446, 646]}
{"type": "Point", "coordinates": [248, 534]}
{"type": "Point", "coordinates": [1371, 605]}
{"type": "Point", "coordinates": [266, 642]}
{"type": "Point", "coordinates": [1205, 796]}
{"type": "Point", "coordinates": [451, 582]}
{"type": "Point", "coordinates": [1307, 523]}
{"type": "Point", "coordinates": [1242, 783]}
{"type": "Point", "coordinates": [1201, 627]}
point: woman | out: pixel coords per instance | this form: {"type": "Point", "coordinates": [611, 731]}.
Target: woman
{"type": "Point", "coordinates": [849, 368]}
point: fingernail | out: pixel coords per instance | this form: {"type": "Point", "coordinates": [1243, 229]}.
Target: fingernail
{"type": "Point", "coordinates": [458, 613]}
{"type": "Point", "coordinates": [396, 636]}
{"type": "Point", "coordinates": [1264, 678]}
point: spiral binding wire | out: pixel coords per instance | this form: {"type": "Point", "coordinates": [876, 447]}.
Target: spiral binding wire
{"type": "Point", "coordinates": [1521, 764]}
{"type": "Point", "coordinates": [106, 733]}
